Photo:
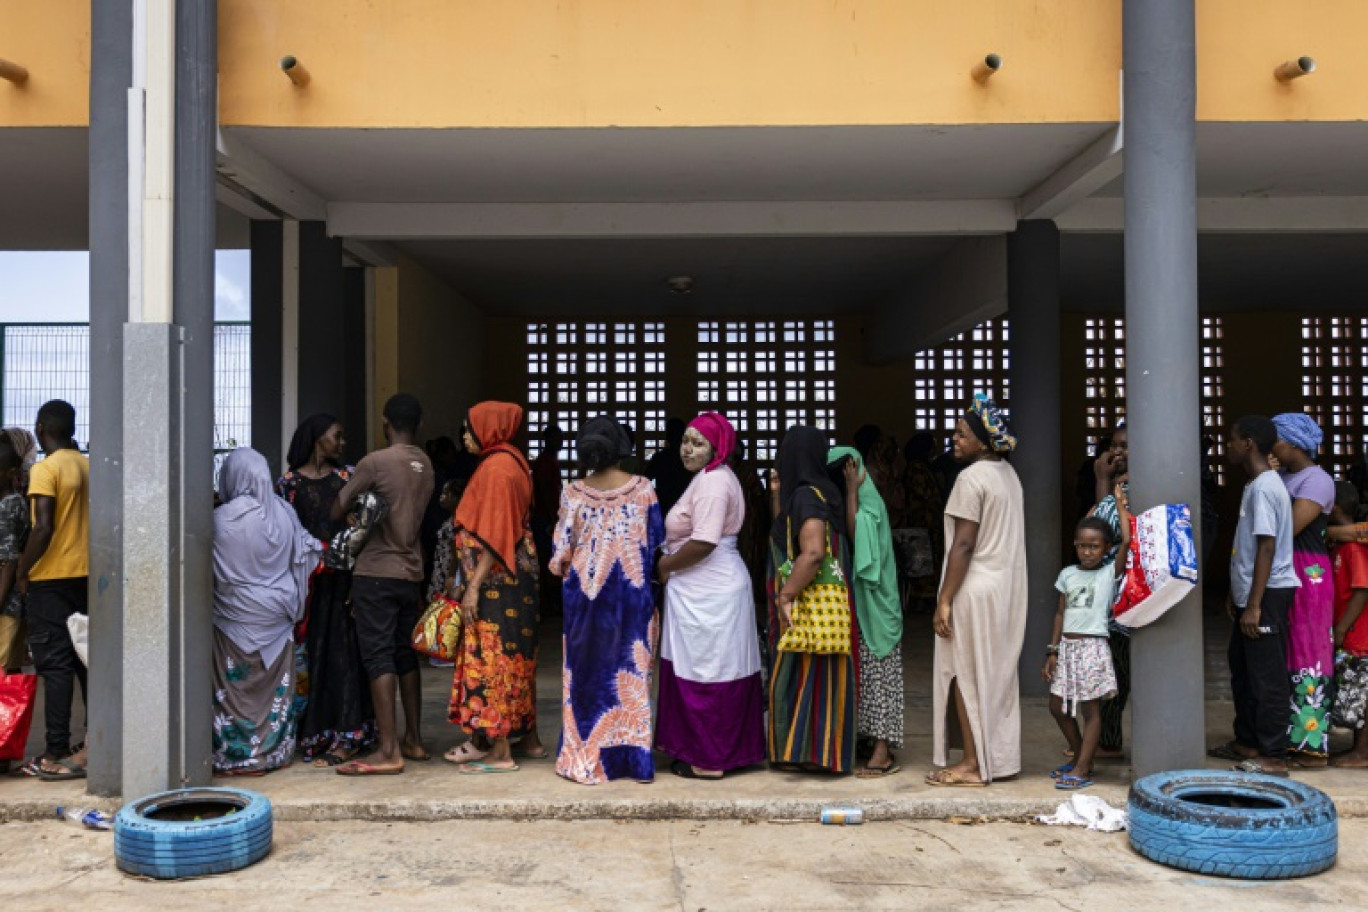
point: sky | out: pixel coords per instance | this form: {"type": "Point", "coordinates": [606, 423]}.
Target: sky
{"type": "Point", "coordinates": [54, 286]}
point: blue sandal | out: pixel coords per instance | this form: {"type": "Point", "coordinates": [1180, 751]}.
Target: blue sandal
{"type": "Point", "coordinates": [1071, 783]}
{"type": "Point", "coordinates": [1059, 771]}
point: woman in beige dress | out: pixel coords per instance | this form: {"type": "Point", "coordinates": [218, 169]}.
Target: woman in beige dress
{"type": "Point", "coordinates": [980, 615]}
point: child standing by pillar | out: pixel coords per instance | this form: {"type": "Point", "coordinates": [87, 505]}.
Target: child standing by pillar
{"type": "Point", "coordinates": [1079, 665]}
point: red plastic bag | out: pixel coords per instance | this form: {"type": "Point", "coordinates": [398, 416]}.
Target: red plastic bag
{"type": "Point", "coordinates": [16, 713]}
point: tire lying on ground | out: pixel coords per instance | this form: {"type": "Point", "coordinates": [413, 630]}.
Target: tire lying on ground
{"type": "Point", "coordinates": [192, 832]}
{"type": "Point", "coordinates": [1233, 824]}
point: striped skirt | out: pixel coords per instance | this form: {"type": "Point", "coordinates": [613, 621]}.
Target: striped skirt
{"type": "Point", "coordinates": [812, 711]}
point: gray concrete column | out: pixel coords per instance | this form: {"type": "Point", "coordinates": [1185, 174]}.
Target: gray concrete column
{"type": "Point", "coordinates": [267, 339]}
{"type": "Point", "coordinates": [1163, 343]}
{"type": "Point", "coordinates": [193, 266]}
{"type": "Point", "coordinates": [354, 361]}
{"type": "Point", "coordinates": [1033, 308]}
{"type": "Point", "coordinates": [322, 322]}
{"type": "Point", "coordinates": [111, 72]}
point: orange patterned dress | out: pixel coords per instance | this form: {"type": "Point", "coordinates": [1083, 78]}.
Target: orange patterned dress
{"type": "Point", "coordinates": [494, 689]}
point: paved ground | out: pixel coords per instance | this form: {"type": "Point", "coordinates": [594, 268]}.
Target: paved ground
{"type": "Point", "coordinates": [434, 791]}
{"type": "Point", "coordinates": [665, 865]}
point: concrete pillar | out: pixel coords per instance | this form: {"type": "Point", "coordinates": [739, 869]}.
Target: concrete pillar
{"type": "Point", "coordinates": [1163, 343]}
{"type": "Point", "coordinates": [267, 307]}
{"type": "Point", "coordinates": [354, 363]}
{"type": "Point", "coordinates": [161, 419]}
{"type": "Point", "coordinates": [1033, 308]}
{"type": "Point", "coordinates": [111, 73]}
{"type": "Point", "coordinates": [322, 381]}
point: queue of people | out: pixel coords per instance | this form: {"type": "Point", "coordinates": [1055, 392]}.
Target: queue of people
{"type": "Point", "coordinates": [663, 650]}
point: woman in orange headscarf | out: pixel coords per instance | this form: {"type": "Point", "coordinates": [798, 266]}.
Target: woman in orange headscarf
{"type": "Point", "coordinates": [493, 694]}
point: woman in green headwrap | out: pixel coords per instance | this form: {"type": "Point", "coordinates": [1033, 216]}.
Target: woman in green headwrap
{"type": "Point", "coordinates": [878, 613]}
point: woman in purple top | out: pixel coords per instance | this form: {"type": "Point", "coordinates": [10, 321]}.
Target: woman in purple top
{"type": "Point", "coordinates": [1310, 646]}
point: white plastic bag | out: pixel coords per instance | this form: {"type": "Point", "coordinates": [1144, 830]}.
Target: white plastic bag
{"type": "Point", "coordinates": [79, 625]}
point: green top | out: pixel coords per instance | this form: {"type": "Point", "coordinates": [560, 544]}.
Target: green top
{"type": "Point", "coordinates": [874, 569]}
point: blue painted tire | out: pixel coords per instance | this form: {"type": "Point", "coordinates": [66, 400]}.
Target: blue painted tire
{"type": "Point", "coordinates": [171, 849]}
{"type": "Point", "coordinates": [1232, 824]}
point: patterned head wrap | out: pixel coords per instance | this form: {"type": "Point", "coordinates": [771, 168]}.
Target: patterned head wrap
{"type": "Point", "coordinates": [989, 425]}
{"type": "Point", "coordinates": [1300, 430]}
{"type": "Point", "coordinates": [718, 431]}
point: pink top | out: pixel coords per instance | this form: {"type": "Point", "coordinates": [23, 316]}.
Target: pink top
{"type": "Point", "coordinates": [712, 508]}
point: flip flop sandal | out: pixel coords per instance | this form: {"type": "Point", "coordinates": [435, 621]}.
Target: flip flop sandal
{"type": "Point", "coordinates": [1227, 751]}
{"type": "Point", "coordinates": [686, 771]}
{"type": "Point", "coordinates": [1071, 783]}
{"type": "Point", "coordinates": [1060, 771]}
{"type": "Point", "coordinates": [878, 772]}
{"type": "Point", "coordinates": [478, 768]}
{"type": "Point", "coordinates": [947, 779]}
{"type": "Point", "coordinates": [70, 771]}
{"type": "Point", "coordinates": [1254, 766]}
{"type": "Point", "coordinates": [359, 768]}
{"type": "Point", "coordinates": [329, 759]}
{"type": "Point", "coordinates": [474, 756]}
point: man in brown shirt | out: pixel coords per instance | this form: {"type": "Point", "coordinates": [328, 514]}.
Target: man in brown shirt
{"type": "Point", "coordinates": [387, 583]}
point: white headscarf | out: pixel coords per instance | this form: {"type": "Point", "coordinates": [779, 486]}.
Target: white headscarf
{"type": "Point", "coordinates": [263, 559]}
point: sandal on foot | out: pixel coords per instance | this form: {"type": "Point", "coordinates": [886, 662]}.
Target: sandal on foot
{"type": "Point", "coordinates": [878, 772]}
{"type": "Point", "coordinates": [1068, 782]}
{"type": "Point", "coordinates": [69, 770]}
{"type": "Point", "coordinates": [686, 771]}
{"type": "Point", "coordinates": [946, 779]}
{"type": "Point", "coordinates": [1254, 766]}
{"type": "Point", "coordinates": [361, 768]}
{"type": "Point", "coordinates": [464, 753]}
{"type": "Point", "coordinates": [1063, 770]}
{"type": "Point", "coordinates": [330, 759]}
{"type": "Point", "coordinates": [479, 768]}
{"type": "Point", "coordinates": [1227, 751]}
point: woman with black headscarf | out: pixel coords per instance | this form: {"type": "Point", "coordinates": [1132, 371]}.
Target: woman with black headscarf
{"type": "Point", "coordinates": [337, 722]}
{"type": "Point", "coordinates": [605, 541]}
{"type": "Point", "coordinates": [811, 632]}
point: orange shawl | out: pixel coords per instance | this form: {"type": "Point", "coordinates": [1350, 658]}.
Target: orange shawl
{"type": "Point", "coordinates": [496, 502]}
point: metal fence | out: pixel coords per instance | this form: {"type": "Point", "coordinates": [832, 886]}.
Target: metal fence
{"type": "Point", "coordinates": [42, 361]}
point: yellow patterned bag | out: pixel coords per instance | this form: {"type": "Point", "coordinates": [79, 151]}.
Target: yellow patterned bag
{"type": "Point", "coordinates": [438, 631]}
{"type": "Point", "coordinates": [821, 613]}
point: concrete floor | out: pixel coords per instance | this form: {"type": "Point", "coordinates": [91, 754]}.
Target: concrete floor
{"type": "Point", "coordinates": [665, 865]}
{"type": "Point", "coordinates": [434, 790]}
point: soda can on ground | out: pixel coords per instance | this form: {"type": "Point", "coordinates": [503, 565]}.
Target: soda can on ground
{"type": "Point", "coordinates": [843, 815]}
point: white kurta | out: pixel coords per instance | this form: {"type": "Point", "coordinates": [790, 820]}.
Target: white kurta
{"type": "Point", "coordinates": [988, 619]}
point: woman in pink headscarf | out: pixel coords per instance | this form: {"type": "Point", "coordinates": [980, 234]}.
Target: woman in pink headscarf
{"type": "Point", "coordinates": [711, 716]}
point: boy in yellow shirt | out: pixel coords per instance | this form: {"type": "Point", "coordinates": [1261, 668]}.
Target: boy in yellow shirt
{"type": "Point", "coordinates": [52, 572]}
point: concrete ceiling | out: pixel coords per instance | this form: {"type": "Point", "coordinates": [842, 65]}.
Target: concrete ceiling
{"type": "Point", "coordinates": [662, 165]}
{"type": "Point", "coordinates": [44, 192]}
{"type": "Point", "coordinates": [731, 276]}
{"type": "Point", "coordinates": [1277, 159]}
{"type": "Point", "coordinates": [1236, 272]}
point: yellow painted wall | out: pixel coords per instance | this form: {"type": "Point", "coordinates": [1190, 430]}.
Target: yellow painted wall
{"type": "Point", "coordinates": [1240, 42]}
{"type": "Point", "coordinates": [598, 63]}
{"type": "Point", "coordinates": [440, 351]}
{"type": "Point", "coordinates": [51, 39]}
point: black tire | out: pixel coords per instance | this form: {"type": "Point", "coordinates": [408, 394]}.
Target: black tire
{"type": "Point", "coordinates": [170, 849]}
{"type": "Point", "coordinates": [1233, 824]}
